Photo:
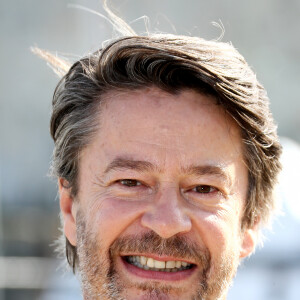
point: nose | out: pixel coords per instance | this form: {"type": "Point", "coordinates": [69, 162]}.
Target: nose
{"type": "Point", "coordinates": [167, 215]}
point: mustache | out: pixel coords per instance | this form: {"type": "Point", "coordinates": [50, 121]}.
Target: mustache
{"type": "Point", "coordinates": [150, 242]}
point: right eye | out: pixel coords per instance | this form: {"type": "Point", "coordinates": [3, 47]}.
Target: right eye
{"type": "Point", "coordinates": [130, 182]}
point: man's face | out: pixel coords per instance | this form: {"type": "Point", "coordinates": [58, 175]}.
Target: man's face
{"type": "Point", "coordinates": [162, 187]}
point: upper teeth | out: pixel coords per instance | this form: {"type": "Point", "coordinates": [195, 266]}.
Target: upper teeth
{"type": "Point", "coordinates": [150, 263]}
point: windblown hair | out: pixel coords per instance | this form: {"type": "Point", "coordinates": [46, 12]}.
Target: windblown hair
{"type": "Point", "coordinates": [171, 63]}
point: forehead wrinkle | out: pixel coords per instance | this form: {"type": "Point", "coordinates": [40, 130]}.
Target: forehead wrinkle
{"type": "Point", "coordinates": [160, 145]}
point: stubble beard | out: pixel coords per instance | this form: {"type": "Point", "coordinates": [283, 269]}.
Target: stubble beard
{"type": "Point", "coordinates": [100, 280]}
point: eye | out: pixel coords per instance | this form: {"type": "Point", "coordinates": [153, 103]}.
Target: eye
{"type": "Point", "coordinates": [130, 182]}
{"type": "Point", "coordinates": [204, 189]}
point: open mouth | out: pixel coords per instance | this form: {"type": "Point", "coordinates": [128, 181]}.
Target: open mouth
{"type": "Point", "coordinates": [150, 264]}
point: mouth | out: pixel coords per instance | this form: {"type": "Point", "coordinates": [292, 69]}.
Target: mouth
{"type": "Point", "coordinates": [159, 269]}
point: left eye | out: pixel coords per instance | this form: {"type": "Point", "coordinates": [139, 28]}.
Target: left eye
{"type": "Point", "coordinates": [130, 182]}
{"type": "Point", "coordinates": [204, 189]}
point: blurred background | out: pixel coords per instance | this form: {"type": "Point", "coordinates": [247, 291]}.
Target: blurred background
{"type": "Point", "coordinates": [265, 32]}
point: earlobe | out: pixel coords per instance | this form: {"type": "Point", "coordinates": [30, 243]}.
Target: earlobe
{"type": "Point", "coordinates": [68, 211]}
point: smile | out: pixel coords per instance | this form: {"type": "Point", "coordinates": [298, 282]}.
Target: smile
{"type": "Point", "coordinates": [148, 263]}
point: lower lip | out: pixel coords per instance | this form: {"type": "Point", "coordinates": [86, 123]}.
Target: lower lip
{"type": "Point", "coordinates": [156, 275]}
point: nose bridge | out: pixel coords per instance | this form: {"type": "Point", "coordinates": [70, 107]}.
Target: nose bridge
{"type": "Point", "coordinates": [167, 216]}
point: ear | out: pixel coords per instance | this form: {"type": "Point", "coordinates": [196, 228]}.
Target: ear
{"type": "Point", "coordinates": [68, 210]}
{"type": "Point", "coordinates": [249, 241]}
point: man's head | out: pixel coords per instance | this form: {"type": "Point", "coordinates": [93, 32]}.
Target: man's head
{"type": "Point", "coordinates": [166, 154]}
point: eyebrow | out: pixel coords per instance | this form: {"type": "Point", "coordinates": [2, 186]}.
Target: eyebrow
{"type": "Point", "coordinates": [213, 170]}
{"type": "Point", "coordinates": [121, 163]}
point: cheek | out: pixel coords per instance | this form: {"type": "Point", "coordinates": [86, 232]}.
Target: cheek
{"type": "Point", "coordinates": [110, 218]}
{"type": "Point", "coordinates": [219, 232]}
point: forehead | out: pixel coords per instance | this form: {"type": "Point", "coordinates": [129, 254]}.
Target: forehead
{"type": "Point", "coordinates": [188, 123]}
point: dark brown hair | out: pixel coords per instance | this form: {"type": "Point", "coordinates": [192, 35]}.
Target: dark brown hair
{"type": "Point", "coordinates": [171, 63]}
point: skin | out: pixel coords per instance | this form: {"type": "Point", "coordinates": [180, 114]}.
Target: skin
{"type": "Point", "coordinates": [189, 186]}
